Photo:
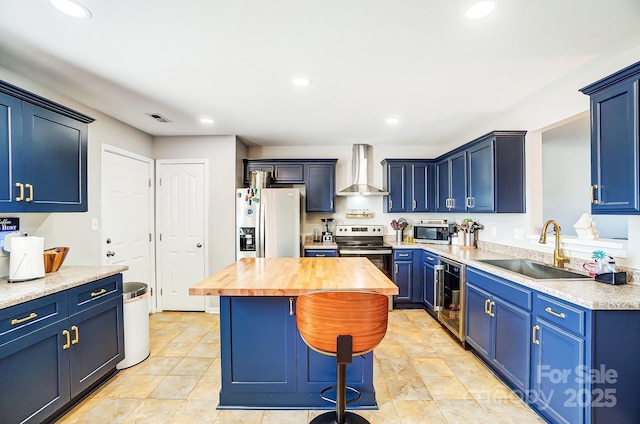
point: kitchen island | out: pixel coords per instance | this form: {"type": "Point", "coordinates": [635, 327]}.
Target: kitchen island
{"type": "Point", "coordinates": [265, 363]}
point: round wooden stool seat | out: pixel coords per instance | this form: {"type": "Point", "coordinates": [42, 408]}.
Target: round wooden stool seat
{"type": "Point", "coordinates": [357, 318]}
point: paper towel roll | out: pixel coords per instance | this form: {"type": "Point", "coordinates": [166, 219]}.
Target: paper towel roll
{"type": "Point", "coordinates": [26, 260]}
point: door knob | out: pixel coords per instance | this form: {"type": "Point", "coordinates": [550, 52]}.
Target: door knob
{"type": "Point", "coordinates": [108, 241]}
{"type": "Point", "coordinates": [199, 245]}
{"type": "Point", "coordinates": [110, 253]}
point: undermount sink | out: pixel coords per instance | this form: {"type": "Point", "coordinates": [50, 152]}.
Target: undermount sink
{"type": "Point", "coordinates": [533, 269]}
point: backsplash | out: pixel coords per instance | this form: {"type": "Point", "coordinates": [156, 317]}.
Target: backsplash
{"type": "Point", "coordinates": [633, 275]}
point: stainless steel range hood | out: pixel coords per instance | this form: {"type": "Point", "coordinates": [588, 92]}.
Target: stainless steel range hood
{"type": "Point", "coordinates": [360, 172]}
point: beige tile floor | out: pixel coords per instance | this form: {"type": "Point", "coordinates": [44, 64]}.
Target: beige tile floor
{"type": "Point", "coordinates": [420, 374]}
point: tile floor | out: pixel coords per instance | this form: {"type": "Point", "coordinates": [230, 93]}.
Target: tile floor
{"type": "Point", "coordinates": [420, 374]}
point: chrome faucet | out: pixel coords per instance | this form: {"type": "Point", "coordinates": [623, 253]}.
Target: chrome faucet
{"type": "Point", "coordinates": [558, 258]}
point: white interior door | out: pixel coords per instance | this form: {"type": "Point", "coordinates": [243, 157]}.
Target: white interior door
{"type": "Point", "coordinates": [181, 233]}
{"type": "Point", "coordinates": [127, 213]}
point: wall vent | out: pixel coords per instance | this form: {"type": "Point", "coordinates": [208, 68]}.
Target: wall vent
{"type": "Point", "coordinates": [158, 117]}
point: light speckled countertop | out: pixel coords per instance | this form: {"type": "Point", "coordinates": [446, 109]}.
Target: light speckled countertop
{"type": "Point", "coordinates": [310, 244]}
{"type": "Point", "coordinates": [587, 293]}
{"type": "Point", "coordinates": [65, 278]}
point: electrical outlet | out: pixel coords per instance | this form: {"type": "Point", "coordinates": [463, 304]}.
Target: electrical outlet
{"type": "Point", "coordinates": [494, 232]}
{"type": "Point", "coordinates": [94, 224]}
{"type": "Point", "coordinates": [518, 233]}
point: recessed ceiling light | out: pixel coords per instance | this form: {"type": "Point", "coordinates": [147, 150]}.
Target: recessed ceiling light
{"type": "Point", "coordinates": [206, 120]}
{"type": "Point", "coordinates": [72, 8]}
{"type": "Point", "coordinates": [480, 9]}
{"type": "Point", "coordinates": [301, 81]}
{"type": "Point", "coordinates": [392, 120]}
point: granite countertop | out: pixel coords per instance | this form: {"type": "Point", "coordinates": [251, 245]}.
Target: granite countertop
{"type": "Point", "coordinates": [294, 276]}
{"type": "Point", "coordinates": [65, 278]}
{"type": "Point", "coordinates": [587, 293]}
{"type": "Point", "coordinates": [310, 244]}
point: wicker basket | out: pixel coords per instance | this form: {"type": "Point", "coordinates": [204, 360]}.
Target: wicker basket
{"type": "Point", "coordinates": [54, 257]}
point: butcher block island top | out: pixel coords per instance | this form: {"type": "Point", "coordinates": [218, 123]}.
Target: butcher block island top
{"type": "Point", "coordinates": [294, 277]}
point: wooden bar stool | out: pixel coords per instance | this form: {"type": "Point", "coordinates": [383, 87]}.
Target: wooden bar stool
{"type": "Point", "coordinates": [342, 324]}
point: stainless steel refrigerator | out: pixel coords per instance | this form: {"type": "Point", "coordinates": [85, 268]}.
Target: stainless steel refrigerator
{"type": "Point", "coordinates": [267, 223]}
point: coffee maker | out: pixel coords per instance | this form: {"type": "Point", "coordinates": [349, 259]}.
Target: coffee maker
{"type": "Point", "coordinates": [329, 228]}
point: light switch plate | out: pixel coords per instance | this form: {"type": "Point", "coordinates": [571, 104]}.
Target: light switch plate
{"type": "Point", "coordinates": [94, 224]}
{"type": "Point", "coordinates": [518, 233]}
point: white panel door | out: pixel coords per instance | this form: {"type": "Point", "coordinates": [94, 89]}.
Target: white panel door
{"type": "Point", "coordinates": [127, 213]}
{"type": "Point", "coordinates": [181, 262]}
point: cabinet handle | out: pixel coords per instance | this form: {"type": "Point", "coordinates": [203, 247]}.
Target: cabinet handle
{"type": "Point", "coordinates": [67, 345]}
{"type": "Point", "coordinates": [491, 306]}
{"type": "Point", "coordinates": [98, 293]}
{"type": "Point", "coordinates": [415, 204]}
{"type": "Point", "coordinates": [403, 254]}
{"type": "Point", "coordinates": [486, 306]}
{"type": "Point", "coordinates": [390, 204]}
{"type": "Point", "coordinates": [320, 255]}
{"type": "Point", "coordinates": [555, 314]}
{"type": "Point", "coordinates": [468, 202]}
{"type": "Point", "coordinates": [30, 196]}
{"type": "Point", "coordinates": [593, 194]}
{"type": "Point", "coordinates": [291, 312]}
{"type": "Point", "coordinates": [20, 197]}
{"type": "Point", "coordinates": [396, 268]}
{"type": "Point", "coordinates": [15, 321]}
{"type": "Point", "coordinates": [332, 204]}
{"type": "Point", "coordinates": [534, 335]}
{"type": "Point", "coordinates": [430, 258]}
{"type": "Point", "coordinates": [76, 339]}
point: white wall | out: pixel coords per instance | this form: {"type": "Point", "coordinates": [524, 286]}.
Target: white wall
{"type": "Point", "coordinates": [221, 153]}
{"type": "Point", "coordinates": [74, 229]}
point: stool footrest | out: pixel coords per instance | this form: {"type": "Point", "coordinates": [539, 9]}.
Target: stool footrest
{"type": "Point", "coordinates": [331, 418]}
{"type": "Point", "coordinates": [349, 389]}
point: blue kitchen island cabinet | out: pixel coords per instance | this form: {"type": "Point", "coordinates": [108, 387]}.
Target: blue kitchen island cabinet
{"type": "Point", "coordinates": [615, 142]}
{"type": "Point", "coordinates": [43, 154]}
{"type": "Point", "coordinates": [265, 363]}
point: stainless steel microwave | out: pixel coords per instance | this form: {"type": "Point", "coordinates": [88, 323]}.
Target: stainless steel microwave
{"type": "Point", "coordinates": [434, 231]}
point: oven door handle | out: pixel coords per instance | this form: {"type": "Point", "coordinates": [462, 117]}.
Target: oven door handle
{"type": "Point", "coordinates": [438, 287]}
{"type": "Point", "coordinates": [365, 252]}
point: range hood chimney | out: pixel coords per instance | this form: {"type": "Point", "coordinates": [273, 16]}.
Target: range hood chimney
{"type": "Point", "coordinates": [360, 171]}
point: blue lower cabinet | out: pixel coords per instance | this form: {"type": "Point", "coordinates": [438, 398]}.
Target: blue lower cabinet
{"type": "Point", "coordinates": [35, 375]}
{"type": "Point", "coordinates": [99, 343]}
{"type": "Point", "coordinates": [266, 364]}
{"type": "Point", "coordinates": [498, 325]}
{"type": "Point", "coordinates": [429, 261]}
{"type": "Point", "coordinates": [321, 253]}
{"type": "Point", "coordinates": [555, 389]}
{"type": "Point", "coordinates": [49, 358]}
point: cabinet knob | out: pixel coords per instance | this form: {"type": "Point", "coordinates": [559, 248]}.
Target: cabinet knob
{"type": "Point", "coordinates": [199, 245]}
{"type": "Point", "coordinates": [110, 253]}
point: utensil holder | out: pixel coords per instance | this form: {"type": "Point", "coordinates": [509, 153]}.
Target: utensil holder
{"type": "Point", "coordinates": [399, 236]}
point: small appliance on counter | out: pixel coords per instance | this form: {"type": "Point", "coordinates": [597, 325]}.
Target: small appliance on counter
{"type": "Point", "coordinates": [433, 231]}
{"type": "Point", "coordinates": [329, 229]}
{"type": "Point", "coordinates": [25, 258]}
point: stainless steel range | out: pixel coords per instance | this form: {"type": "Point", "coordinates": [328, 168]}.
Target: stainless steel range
{"type": "Point", "coordinates": [366, 241]}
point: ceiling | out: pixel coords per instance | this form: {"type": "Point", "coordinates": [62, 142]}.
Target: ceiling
{"type": "Point", "coordinates": [421, 61]}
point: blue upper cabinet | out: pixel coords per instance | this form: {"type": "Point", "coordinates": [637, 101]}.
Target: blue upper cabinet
{"type": "Point", "coordinates": [481, 177]}
{"type": "Point", "coordinates": [320, 186]}
{"type": "Point", "coordinates": [409, 185]}
{"type": "Point", "coordinates": [11, 131]}
{"type": "Point", "coordinates": [451, 183]}
{"type": "Point", "coordinates": [43, 154]}
{"type": "Point", "coordinates": [615, 141]}
{"type": "Point", "coordinates": [485, 175]}
{"type": "Point", "coordinates": [317, 175]}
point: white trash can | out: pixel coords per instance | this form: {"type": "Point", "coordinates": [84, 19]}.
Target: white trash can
{"type": "Point", "coordinates": [136, 324]}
